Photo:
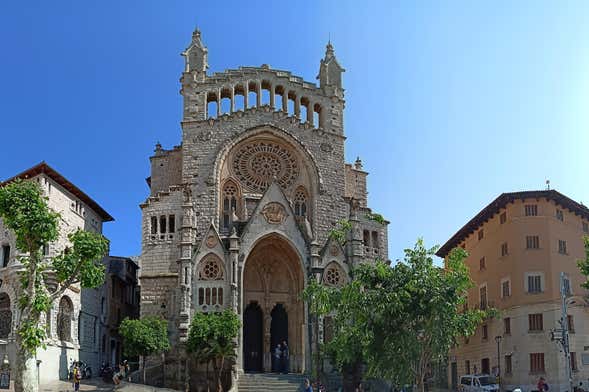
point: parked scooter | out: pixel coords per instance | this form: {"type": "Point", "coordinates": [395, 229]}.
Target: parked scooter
{"type": "Point", "coordinates": [106, 372]}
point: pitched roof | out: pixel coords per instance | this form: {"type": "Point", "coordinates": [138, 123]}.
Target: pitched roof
{"type": "Point", "coordinates": [44, 168]}
{"type": "Point", "coordinates": [500, 202]}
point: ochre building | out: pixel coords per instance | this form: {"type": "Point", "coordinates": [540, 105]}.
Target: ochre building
{"type": "Point", "coordinates": [518, 246]}
{"type": "Point", "coordinates": [239, 213]}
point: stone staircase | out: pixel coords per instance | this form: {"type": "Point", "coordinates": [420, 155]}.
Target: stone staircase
{"type": "Point", "coordinates": [258, 382]}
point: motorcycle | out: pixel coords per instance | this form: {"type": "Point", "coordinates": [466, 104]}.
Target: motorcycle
{"type": "Point", "coordinates": [106, 372]}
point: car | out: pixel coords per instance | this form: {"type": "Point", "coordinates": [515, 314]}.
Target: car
{"type": "Point", "coordinates": [478, 383]}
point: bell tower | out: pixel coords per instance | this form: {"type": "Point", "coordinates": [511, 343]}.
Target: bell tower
{"type": "Point", "coordinates": [195, 72]}
{"type": "Point", "coordinates": [330, 73]}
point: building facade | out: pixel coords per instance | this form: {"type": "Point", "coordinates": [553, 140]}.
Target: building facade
{"type": "Point", "coordinates": [73, 323]}
{"type": "Point", "coordinates": [119, 299]}
{"type": "Point", "coordinates": [239, 213]}
{"type": "Point", "coordinates": [517, 248]}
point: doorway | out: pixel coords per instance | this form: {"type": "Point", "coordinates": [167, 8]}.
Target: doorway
{"type": "Point", "coordinates": [252, 338]}
{"type": "Point", "coordinates": [278, 330]}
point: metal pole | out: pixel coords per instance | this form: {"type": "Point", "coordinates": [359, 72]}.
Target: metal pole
{"type": "Point", "coordinates": [565, 332]}
{"type": "Point", "coordinates": [498, 340]}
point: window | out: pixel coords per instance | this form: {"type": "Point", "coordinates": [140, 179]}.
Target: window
{"type": "Point", "coordinates": [508, 368]}
{"type": "Point", "coordinates": [532, 242]}
{"type": "Point", "coordinates": [504, 249]}
{"type": "Point", "coordinates": [586, 227]}
{"type": "Point", "coordinates": [45, 249]}
{"type": "Point", "coordinates": [482, 264]}
{"type": "Point", "coordinates": [229, 207]}
{"type": "Point", "coordinates": [566, 283]}
{"type": "Point", "coordinates": [503, 218]}
{"type": "Point", "coordinates": [507, 326]}
{"type": "Point", "coordinates": [574, 367]}
{"type": "Point", "coordinates": [5, 255]}
{"type": "Point", "coordinates": [163, 224]}
{"type": "Point", "coordinates": [366, 238]}
{"type": "Point", "coordinates": [467, 366]}
{"type": "Point", "coordinates": [481, 234]}
{"type": "Point", "coordinates": [570, 324]}
{"type": "Point", "coordinates": [505, 289]}
{"type": "Point", "coordinates": [64, 319]}
{"type": "Point", "coordinates": [483, 297]}
{"type": "Point", "coordinates": [537, 363]}
{"type": "Point", "coordinates": [153, 225]}
{"type": "Point", "coordinates": [559, 215]}
{"type": "Point", "coordinates": [5, 316]}
{"type": "Point", "coordinates": [534, 284]}
{"type": "Point", "coordinates": [485, 332]}
{"type": "Point", "coordinates": [535, 322]}
{"type": "Point", "coordinates": [562, 247]}
{"type": "Point", "coordinates": [172, 224]}
{"type": "Point", "coordinates": [465, 381]}
{"type": "Point", "coordinates": [300, 202]}
{"type": "Point", "coordinates": [375, 240]}
{"type": "Point", "coordinates": [531, 210]}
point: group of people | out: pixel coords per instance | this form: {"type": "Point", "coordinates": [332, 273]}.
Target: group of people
{"type": "Point", "coordinates": [124, 372]}
{"type": "Point", "coordinates": [280, 356]}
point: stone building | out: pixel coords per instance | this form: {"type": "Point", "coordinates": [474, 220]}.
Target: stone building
{"type": "Point", "coordinates": [239, 213]}
{"type": "Point", "coordinates": [119, 299]}
{"type": "Point", "coordinates": [74, 320]}
{"type": "Point", "coordinates": [518, 246]}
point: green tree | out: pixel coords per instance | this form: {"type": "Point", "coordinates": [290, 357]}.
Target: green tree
{"type": "Point", "coordinates": [144, 337]}
{"type": "Point", "coordinates": [397, 320]}
{"type": "Point", "coordinates": [24, 210]}
{"type": "Point", "coordinates": [584, 263]}
{"type": "Point", "coordinates": [212, 339]}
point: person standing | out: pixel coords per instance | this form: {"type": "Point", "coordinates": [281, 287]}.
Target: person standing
{"type": "Point", "coordinates": [276, 355]}
{"type": "Point", "coordinates": [308, 387]}
{"type": "Point", "coordinates": [77, 376]}
{"type": "Point", "coordinates": [285, 357]}
{"type": "Point", "coordinates": [542, 385]}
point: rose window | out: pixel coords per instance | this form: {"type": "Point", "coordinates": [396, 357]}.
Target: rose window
{"type": "Point", "coordinates": [256, 164]}
{"type": "Point", "coordinates": [333, 276]}
{"type": "Point", "coordinates": [211, 270]}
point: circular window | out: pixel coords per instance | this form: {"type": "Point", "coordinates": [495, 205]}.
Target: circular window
{"type": "Point", "coordinates": [211, 270]}
{"type": "Point", "coordinates": [333, 276]}
{"type": "Point", "coordinates": [255, 164]}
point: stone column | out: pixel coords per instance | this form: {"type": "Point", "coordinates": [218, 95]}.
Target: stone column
{"type": "Point", "coordinates": [185, 265]}
{"type": "Point", "coordinates": [297, 107]}
{"type": "Point", "coordinates": [258, 94]}
{"type": "Point", "coordinates": [233, 259]}
{"type": "Point", "coordinates": [272, 97]}
{"type": "Point", "coordinates": [285, 101]}
{"type": "Point", "coordinates": [310, 113]}
{"type": "Point", "coordinates": [356, 247]}
{"type": "Point", "coordinates": [246, 93]}
{"type": "Point", "coordinates": [232, 97]}
{"type": "Point", "coordinates": [218, 103]}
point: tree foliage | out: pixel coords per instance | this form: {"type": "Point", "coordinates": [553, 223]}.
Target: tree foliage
{"type": "Point", "coordinates": [397, 320]}
{"type": "Point", "coordinates": [24, 210]}
{"type": "Point", "coordinates": [584, 263]}
{"type": "Point", "coordinates": [212, 339]}
{"type": "Point", "coordinates": [144, 337]}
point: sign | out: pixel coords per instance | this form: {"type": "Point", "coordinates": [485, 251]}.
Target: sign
{"type": "Point", "coordinates": [5, 379]}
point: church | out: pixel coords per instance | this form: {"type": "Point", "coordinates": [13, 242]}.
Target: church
{"type": "Point", "coordinates": [239, 213]}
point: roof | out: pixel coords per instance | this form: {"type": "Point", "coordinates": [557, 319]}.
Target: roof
{"type": "Point", "coordinates": [44, 168]}
{"type": "Point", "coordinates": [500, 202]}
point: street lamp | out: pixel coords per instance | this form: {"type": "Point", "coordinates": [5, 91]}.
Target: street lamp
{"type": "Point", "coordinates": [498, 340]}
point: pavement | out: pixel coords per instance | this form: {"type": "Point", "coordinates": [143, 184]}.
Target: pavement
{"type": "Point", "coordinates": [96, 385]}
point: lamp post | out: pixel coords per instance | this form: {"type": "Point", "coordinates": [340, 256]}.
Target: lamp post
{"type": "Point", "coordinates": [498, 340]}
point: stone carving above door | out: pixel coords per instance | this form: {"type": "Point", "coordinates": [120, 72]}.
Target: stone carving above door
{"type": "Point", "coordinates": [274, 212]}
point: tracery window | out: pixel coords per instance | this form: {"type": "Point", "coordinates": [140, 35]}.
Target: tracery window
{"type": "Point", "coordinates": [5, 316]}
{"type": "Point", "coordinates": [334, 275]}
{"type": "Point", "coordinates": [64, 319]}
{"type": "Point", "coordinates": [211, 269]}
{"type": "Point", "coordinates": [229, 207]}
{"type": "Point", "coordinates": [300, 202]}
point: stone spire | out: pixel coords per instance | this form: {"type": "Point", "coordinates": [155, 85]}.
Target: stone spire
{"type": "Point", "coordinates": [330, 73]}
{"type": "Point", "coordinates": [196, 55]}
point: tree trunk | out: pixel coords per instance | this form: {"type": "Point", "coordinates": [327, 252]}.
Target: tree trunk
{"type": "Point", "coordinates": [351, 377]}
{"type": "Point", "coordinates": [25, 377]}
{"type": "Point", "coordinates": [420, 384]}
{"type": "Point", "coordinates": [207, 375]}
{"type": "Point", "coordinates": [143, 372]}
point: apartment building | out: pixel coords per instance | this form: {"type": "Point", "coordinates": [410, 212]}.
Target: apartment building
{"type": "Point", "coordinates": [518, 245]}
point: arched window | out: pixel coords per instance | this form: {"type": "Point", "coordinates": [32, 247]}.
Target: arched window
{"type": "Point", "coordinates": [300, 202]}
{"type": "Point", "coordinates": [333, 275]}
{"type": "Point", "coordinates": [5, 316]}
{"type": "Point", "coordinates": [229, 206]}
{"type": "Point", "coordinates": [210, 268]}
{"type": "Point", "coordinates": [64, 319]}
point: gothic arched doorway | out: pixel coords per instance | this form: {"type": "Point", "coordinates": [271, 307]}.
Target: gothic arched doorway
{"type": "Point", "coordinates": [273, 278]}
{"type": "Point", "coordinates": [253, 323]}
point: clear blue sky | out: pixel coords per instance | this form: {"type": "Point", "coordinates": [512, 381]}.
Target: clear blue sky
{"type": "Point", "coordinates": [449, 104]}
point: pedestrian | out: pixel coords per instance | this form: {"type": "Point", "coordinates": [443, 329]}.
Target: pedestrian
{"type": "Point", "coordinates": [276, 359]}
{"type": "Point", "coordinates": [127, 370]}
{"type": "Point", "coordinates": [308, 387]}
{"type": "Point", "coordinates": [542, 385]}
{"type": "Point", "coordinates": [77, 376]}
{"type": "Point", "coordinates": [285, 357]}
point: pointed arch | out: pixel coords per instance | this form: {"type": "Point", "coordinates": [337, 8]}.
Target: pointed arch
{"type": "Point", "coordinates": [230, 203]}
{"type": "Point", "coordinates": [65, 316]}
{"type": "Point", "coordinates": [301, 202]}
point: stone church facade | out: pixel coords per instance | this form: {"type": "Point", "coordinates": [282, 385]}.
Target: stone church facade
{"type": "Point", "coordinates": [239, 213]}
